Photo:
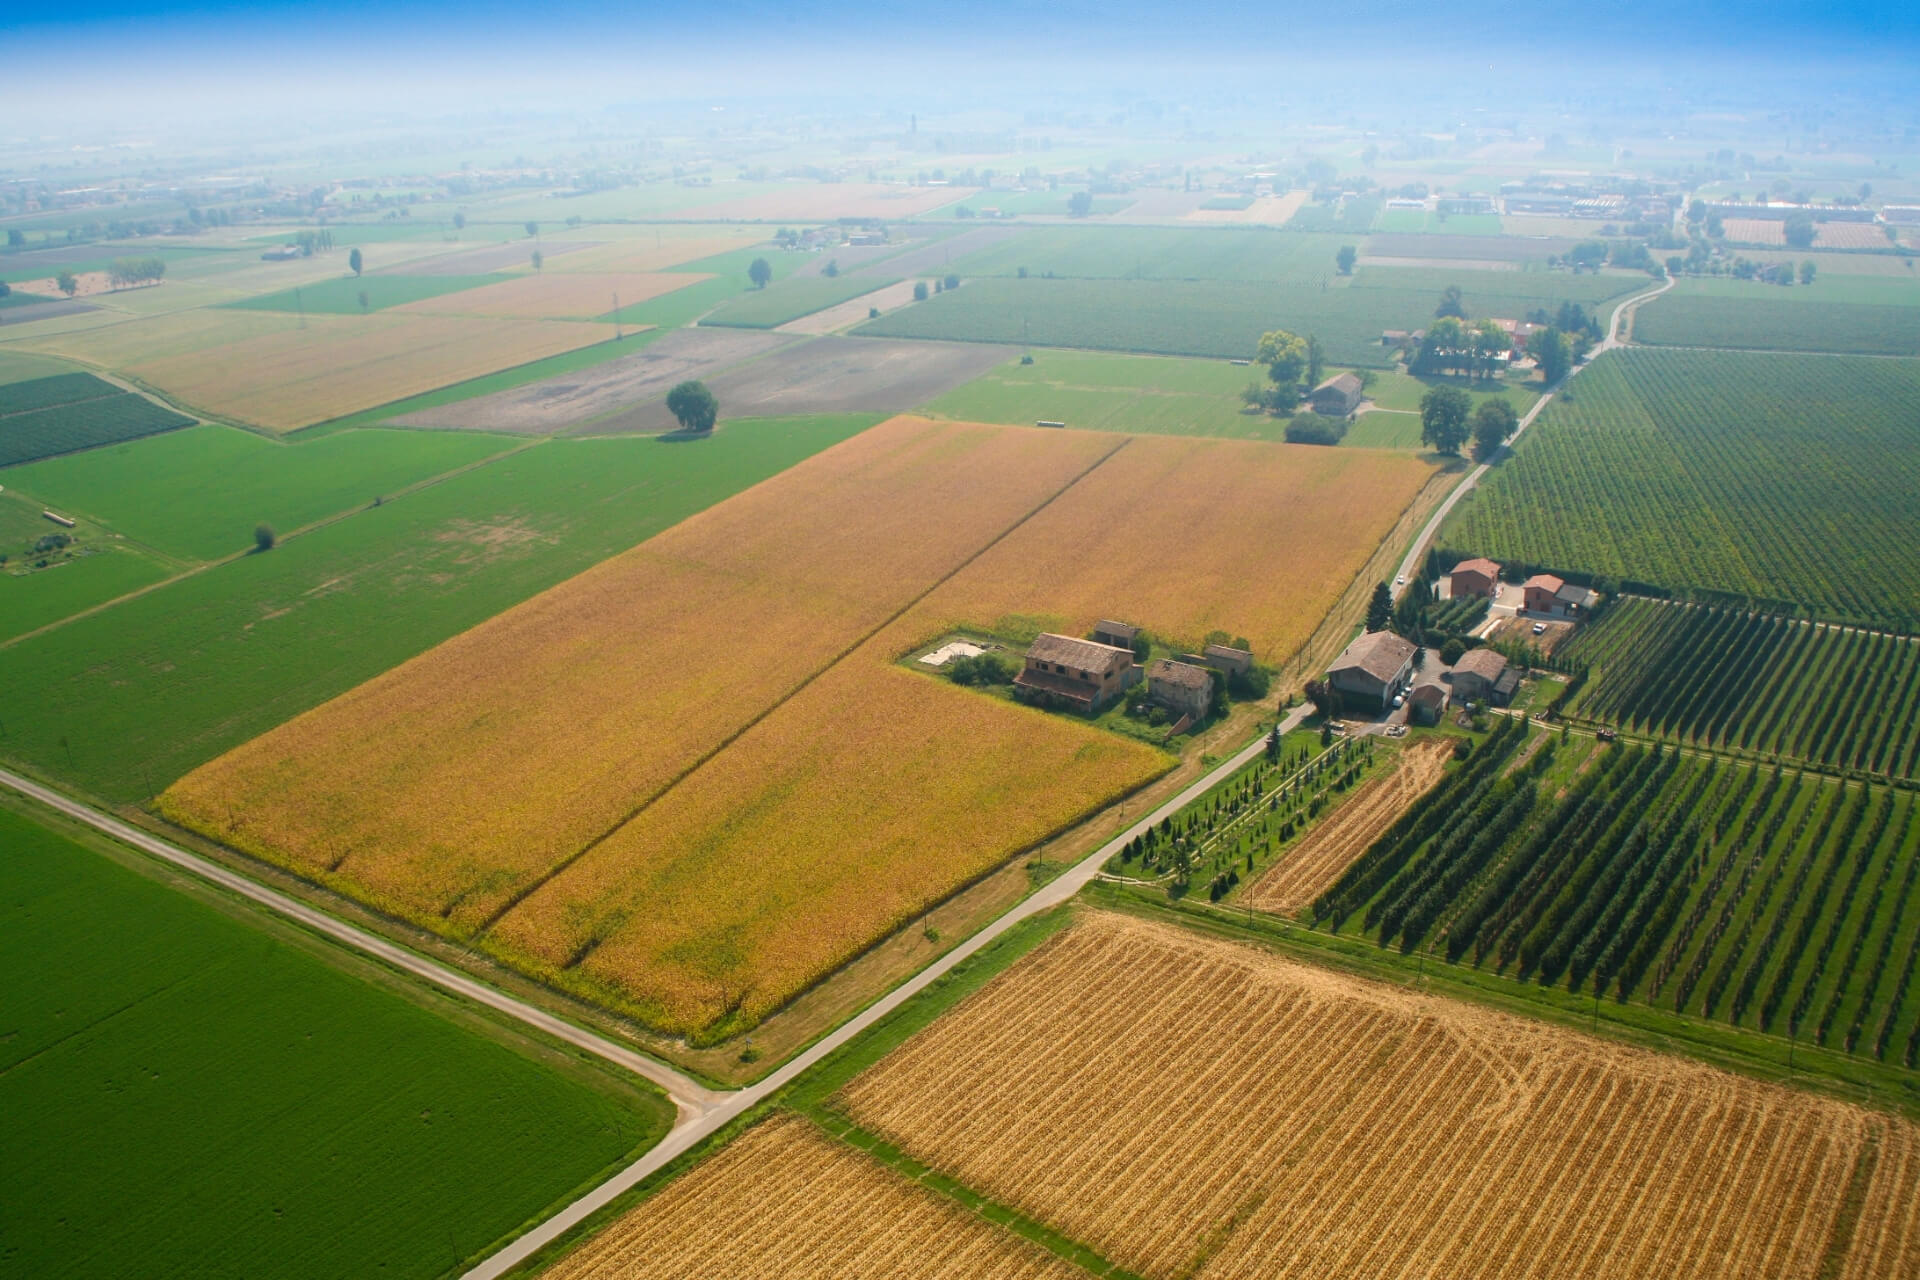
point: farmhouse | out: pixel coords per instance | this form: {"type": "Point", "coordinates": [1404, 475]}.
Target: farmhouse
{"type": "Point", "coordinates": [1180, 687]}
{"type": "Point", "coordinates": [1118, 634]}
{"type": "Point", "coordinates": [1337, 397]}
{"type": "Point", "coordinates": [1555, 597]}
{"type": "Point", "coordinates": [1425, 704]}
{"type": "Point", "coordinates": [1227, 660]}
{"type": "Point", "coordinates": [1373, 668]}
{"type": "Point", "coordinates": [1477, 676]}
{"type": "Point", "coordinates": [1476, 577]}
{"type": "Point", "coordinates": [1066, 671]}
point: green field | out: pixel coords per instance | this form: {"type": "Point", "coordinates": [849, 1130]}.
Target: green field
{"type": "Point", "coordinates": [1730, 891]}
{"type": "Point", "coordinates": [1754, 683]}
{"type": "Point", "coordinates": [1392, 389]}
{"type": "Point", "coordinates": [791, 299]}
{"type": "Point", "coordinates": [193, 1089]}
{"type": "Point", "coordinates": [96, 567]}
{"type": "Point", "coordinates": [42, 417]}
{"type": "Point", "coordinates": [1114, 393]}
{"type": "Point", "coordinates": [1384, 430]}
{"type": "Point", "coordinates": [1233, 254]}
{"type": "Point", "coordinates": [342, 296]}
{"type": "Point", "coordinates": [1220, 317]}
{"type": "Point", "coordinates": [1439, 224]}
{"type": "Point", "coordinates": [126, 700]}
{"type": "Point", "coordinates": [1864, 314]}
{"type": "Point", "coordinates": [20, 366]}
{"type": "Point", "coordinates": [1352, 217]}
{"type": "Point", "coordinates": [198, 493]}
{"type": "Point", "coordinates": [1772, 478]}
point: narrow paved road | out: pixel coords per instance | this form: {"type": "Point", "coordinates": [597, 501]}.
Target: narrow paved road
{"type": "Point", "coordinates": [1418, 551]}
{"type": "Point", "coordinates": [702, 1111]}
{"type": "Point", "coordinates": [688, 1095]}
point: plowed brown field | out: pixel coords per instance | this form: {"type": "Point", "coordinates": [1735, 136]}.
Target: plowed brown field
{"type": "Point", "coordinates": [1189, 1106]}
{"type": "Point", "coordinates": [785, 1200]}
{"type": "Point", "coordinates": [1317, 861]}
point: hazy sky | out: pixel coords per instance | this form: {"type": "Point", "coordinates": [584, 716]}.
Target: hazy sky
{"type": "Point", "coordinates": [71, 54]}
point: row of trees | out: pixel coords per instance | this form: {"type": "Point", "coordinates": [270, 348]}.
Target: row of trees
{"type": "Point", "coordinates": [123, 272]}
{"type": "Point", "coordinates": [1448, 419]}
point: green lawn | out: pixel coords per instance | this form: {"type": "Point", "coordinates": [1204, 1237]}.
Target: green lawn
{"type": "Point", "coordinates": [342, 296]}
{"type": "Point", "coordinates": [199, 492]}
{"type": "Point", "coordinates": [1393, 389]}
{"type": "Point", "coordinates": [126, 700]}
{"type": "Point", "coordinates": [1114, 393]}
{"type": "Point", "coordinates": [191, 1089]}
{"type": "Point", "coordinates": [96, 568]}
{"type": "Point", "coordinates": [1384, 431]}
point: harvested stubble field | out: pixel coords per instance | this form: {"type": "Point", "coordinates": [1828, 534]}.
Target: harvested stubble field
{"type": "Point", "coordinates": [265, 368]}
{"type": "Point", "coordinates": [672, 247]}
{"type": "Point", "coordinates": [1187, 1106]}
{"type": "Point", "coordinates": [785, 1200]}
{"type": "Point", "coordinates": [1317, 861]}
{"type": "Point", "coordinates": [558, 295]}
{"type": "Point", "coordinates": [432, 791]}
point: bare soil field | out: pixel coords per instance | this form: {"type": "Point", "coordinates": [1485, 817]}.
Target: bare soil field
{"type": "Point", "coordinates": [1266, 210]}
{"type": "Point", "coordinates": [572, 400]}
{"type": "Point", "coordinates": [853, 310]}
{"type": "Point", "coordinates": [786, 1200]}
{"type": "Point", "coordinates": [1330, 848]}
{"type": "Point", "coordinates": [27, 313]}
{"type": "Point", "coordinates": [484, 259]}
{"type": "Point", "coordinates": [558, 295]}
{"type": "Point", "coordinates": [1849, 235]}
{"type": "Point", "coordinates": [822, 201]}
{"type": "Point", "coordinates": [934, 257]}
{"type": "Point", "coordinates": [1194, 1107]}
{"type": "Point", "coordinates": [1520, 631]}
{"type": "Point", "coordinates": [91, 283]}
{"type": "Point", "coordinates": [830, 375]}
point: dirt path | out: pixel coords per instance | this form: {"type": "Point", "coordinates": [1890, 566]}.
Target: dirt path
{"type": "Point", "coordinates": [1331, 847]}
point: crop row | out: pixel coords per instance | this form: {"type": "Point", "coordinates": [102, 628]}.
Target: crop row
{"type": "Point", "coordinates": [1703, 472]}
{"type": "Point", "coordinates": [44, 393]}
{"type": "Point", "coordinates": [1739, 681]}
{"type": "Point", "coordinates": [63, 428]}
{"type": "Point", "coordinates": [1719, 888]}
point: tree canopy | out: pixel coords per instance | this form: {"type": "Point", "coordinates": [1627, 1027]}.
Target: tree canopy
{"type": "Point", "coordinates": [355, 262]}
{"type": "Point", "coordinates": [1553, 352]}
{"type": "Point", "coordinates": [1315, 428]}
{"type": "Point", "coordinates": [1493, 424]}
{"type": "Point", "coordinates": [1345, 259]}
{"type": "Point", "coordinates": [693, 405]}
{"type": "Point", "coordinates": [1443, 418]}
{"type": "Point", "coordinates": [760, 271]}
{"type": "Point", "coordinates": [1451, 303]}
{"type": "Point", "coordinates": [1080, 204]}
{"type": "Point", "coordinates": [1380, 608]}
{"type": "Point", "coordinates": [1285, 355]}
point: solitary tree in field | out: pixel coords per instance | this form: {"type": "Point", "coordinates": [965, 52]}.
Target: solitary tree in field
{"type": "Point", "coordinates": [1493, 424]}
{"type": "Point", "coordinates": [533, 228]}
{"type": "Point", "coordinates": [919, 290]}
{"type": "Point", "coordinates": [1285, 355]}
{"type": "Point", "coordinates": [364, 300]}
{"type": "Point", "coordinates": [5, 288]}
{"type": "Point", "coordinates": [760, 271]}
{"type": "Point", "coordinates": [1443, 418]}
{"type": "Point", "coordinates": [68, 282]}
{"type": "Point", "coordinates": [1080, 204]}
{"type": "Point", "coordinates": [459, 222]}
{"type": "Point", "coordinates": [264, 537]}
{"type": "Point", "coordinates": [693, 404]}
{"type": "Point", "coordinates": [1345, 259]}
{"type": "Point", "coordinates": [1380, 608]}
{"type": "Point", "coordinates": [355, 261]}
{"type": "Point", "coordinates": [1806, 272]}
{"type": "Point", "coordinates": [1451, 303]}
{"type": "Point", "coordinates": [538, 260]}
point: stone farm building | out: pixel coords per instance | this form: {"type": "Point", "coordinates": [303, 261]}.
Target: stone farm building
{"type": "Point", "coordinates": [1555, 597]}
{"type": "Point", "coordinates": [1066, 671]}
{"type": "Point", "coordinates": [1118, 634]}
{"type": "Point", "coordinates": [1180, 687]}
{"type": "Point", "coordinates": [1337, 397]}
{"type": "Point", "coordinates": [1373, 669]}
{"type": "Point", "coordinates": [1476, 577]}
{"type": "Point", "coordinates": [1425, 704]}
{"type": "Point", "coordinates": [1481, 676]}
{"type": "Point", "coordinates": [1227, 659]}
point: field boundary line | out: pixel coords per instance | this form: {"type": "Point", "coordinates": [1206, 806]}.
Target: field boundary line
{"type": "Point", "coordinates": [707, 756]}
{"type": "Point", "coordinates": [312, 526]}
{"type": "Point", "coordinates": [688, 1096]}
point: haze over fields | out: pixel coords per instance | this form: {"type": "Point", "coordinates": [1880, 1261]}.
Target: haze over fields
{"type": "Point", "coordinates": [910, 639]}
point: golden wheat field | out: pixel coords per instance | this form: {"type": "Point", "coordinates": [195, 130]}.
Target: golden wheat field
{"type": "Point", "coordinates": [1310, 867]}
{"type": "Point", "coordinates": [556, 295]}
{"type": "Point", "coordinates": [444, 787]}
{"type": "Point", "coordinates": [267, 369]}
{"type": "Point", "coordinates": [153, 338]}
{"type": "Point", "coordinates": [1186, 535]}
{"type": "Point", "coordinates": [1189, 1106]}
{"type": "Point", "coordinates": [785, 1200]}
{"type": "Point", "coordinates": [915, 787]}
